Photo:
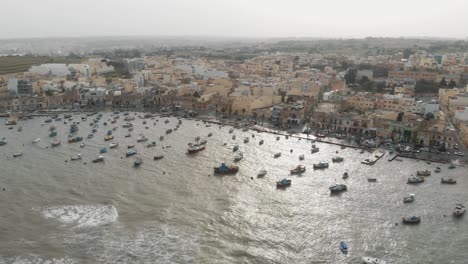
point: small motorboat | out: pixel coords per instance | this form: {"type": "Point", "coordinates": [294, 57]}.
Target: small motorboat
{"type": "Point", "coordinates": [423, 173]}
{"type": "Point", "coordinates": [345, 175]}
{"type": "Point", "coordinates": [411, 219]}
{"type": "Point", "coordinates": [36, 140]}
{"type": "Point", "coordinates": [337, 159]}
{"type": "Point", "coordinates": [261, 173]}
{"type": "Point", "coordinates": [261, 142]}
{"type": "Point", "coordinates": [321, 165]}
{"type": "Point", "coordinates": [343, 247]}
{"type": "Point", "coordinates": [283, 183]}
{"type": "Point", "coordinates": [338, 188]}
{"type": "Point", "coordinates": [369, 260]}
{"type": "Point", "coordinates": [459, 210]}
{"type": "Point", "coordinates": [298, 170]}
{"type": "Point", "coordinates": [225, 169]}
{"type": "Point", "coordinates": [372, 179]}
{"type": "Point", "coordinates": [448, 180]}
{"type": "Point", "coordinates": [301, 157]}
{"type": "Point", "coordinates": [231, 130]}
{"type": "Point", "coordinates": [437, 170]}
{"type": "Point", "coordinates": [137, 162]}
{"type": "Point", "coordinates": [55, 143]}
{"type": "Point", "coordinates": [128, 135]}
{"type": "Point", "coordinates": [53, 134]}
{"type": "Point", "coordinates": [98, 159]}
{"type": "Point", "coordinates": [158, 157]}
{"type": "Point", "coordinates": [130, 146]}
{"type": "Point", "coordinates": [452, 166]}
{"type": "Point", "coordinates": [417, 179]}
{"type": "Point", "coordinates": [192, 149]}
{"type": "Point", "coordinates": [108, 137]}
{"type": "Point", "coordinates": [103, 150]}
{"type": "Point", "coordinates": [168, 131]}
{"type": "Point", "coordinates": [3, 141]}
{"type": "Point", "coordinates": [210, 134]}
{"type": "Point", "coordinates": [90, 136]}
{"type": "Point", "coordinates": [246, 140]}
{"type": "Point", "coordinates": [77, 157]}
{"type": "Point", "coordinates": [151, 144]}
{"type": "Point", "coordinates": [113, 145]}
{"type": "Point", "coordinates": [235, 148]}
{"type": "Point", "coordinates": [142, 139]}
{"type": "Point", "coordinates": [17, 154]}
{"type": "Point", "coordinates": [82, 145]}
{"type": "Point", "coordinates": [238, 156]}
{"type": "Point", "coordinates": [130, 153]}
{"type": "Point", "coordinates": [409, 198]}
{"type": "Point", "coordinates": [314, 150]}
{"type": "Point", "coordinates": [277, 155]}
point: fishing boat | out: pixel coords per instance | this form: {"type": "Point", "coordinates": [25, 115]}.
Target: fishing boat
{"type": "Point", "coordinates": [103, 150]}
{"type": "Point", "coordinates": [298, 170]}
{"type": "Point", "coordinates": [338, 188]}
{"type": "Point", "coordinates": [158, 157]}
{"type": "Point", "coordinates": [235, 148]}
{"type": "Point", "coordinates": [55, 143]}
{"type": "Point", "coordinates": [417, 179]}
{"type": "Point", "coordinates": [246, 140]}
{"type": "Point", "coordinates": [409, 198]}
{"type": "Point", "coordinates": [261, 173]}
{"type": "Point", "coordinates": [113, 145]}
{"type": "Point", "coordinates": [423, 173]}
{"type": "Point", "coordinates": [321, 165]}
{"type": "Point", "coordinates": [283, 183]}
{"type": "Point", "coordinates": [75, 139]}
{"type": "Point", "coordinates": [127, 125]}
{"type": "Point", "coordinates": [345, 175]}
{"type": "Point", "coordinates": [277, 155]}
{"type": "Point", "coordinates": [372, 179]}
{"type": "Point", "coordinates": [168, 131]}
{"type": "Point", "coordinates": [108, 137]}
{"type": "Point", "coordinates": [137, 162]}
{"type": "Point", "coordinates": [128, 135]}
{"type": "Point", "coordinates": [77, 157]}
{"type": "Point", "coordinates": [98, 159]}
{"type": "Point", "coordinates": [369, 260]}
{"type": "Point", "coordinates": [238, 156]}
{"type": "Point", "coordinates": [90, 136]}
{"type": "Point", "coordinates": [343, 247]}
{"type": "Point", "coordinates": [210, 134]}
{"type": "Point", "coordinates": [151, 144]}
{"type": "Point", "coordinates": [225, 169]}
{"type": "Point", "coordinates": [130, 153]}
{"type": "Point", "coordinates": [411, 219]}
{"type": "Point", "coordinates": [17, 154]}
{"type": "Point", "coordinates": [459, 210]}
{"type": "Point", "coordinates": [261, 142]}
{"type": "Point", "coordinates": [3, 141]}
{"type": "Point", "coordinates": [452, 166]}
{"type": "Point", "coordinates": [314, 149]}
{"type": "Point", "coordinates": [301, 157]}
{"type": "Point", "coordinates": [36, 140]}
{"type": "Point", "coordinates": [142, 139]}
{"type": "Point", "coordinates": [192, 149]}
{"type": "Point", "coordinates": [448, 180]}
{"type": "Point", "coordinates": [437, 170]}
{"type": "Point", "coordinates": [337, 159]}
{"type": "Point", "coordinates": [53, 134]}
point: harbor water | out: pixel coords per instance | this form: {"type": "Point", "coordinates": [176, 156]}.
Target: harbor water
{"type": "Point", "coordinates": [174, 210]}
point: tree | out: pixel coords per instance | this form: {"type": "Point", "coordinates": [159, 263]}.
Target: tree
{"type": "Point", "coordinates": [452, 84]}
{"type": "Point", "coordinates": [443, 82]}
{"type": "Point", "coordinates": [243, 113]}
{"type": "Point", "coordinates": [407, 53]}
{"type": "Point", "coordinates": [424, 86]}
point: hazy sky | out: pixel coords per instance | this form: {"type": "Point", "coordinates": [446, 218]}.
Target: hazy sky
{"type": "Point", "coordinates": [234, 18]}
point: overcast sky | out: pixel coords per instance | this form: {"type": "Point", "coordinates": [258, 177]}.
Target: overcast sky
{"type": "Point", "coordinates": [234, 18]}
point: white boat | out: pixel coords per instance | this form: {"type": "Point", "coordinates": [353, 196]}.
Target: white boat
{"type": "Point", "coordinates": [151, 144]}
{"type": "Point", "coordinates": [113, 145]}
{"type": "Point", "coordinates": [82, 145]}
{"type": "Point", "coordinates": [77, 157]}
{"type": "Point", "coordinates": [409, 198]}
{"type": "Point", "coordinates": [423, 173]}
{"type": "Point", "coordinates": [238, 156]}
{"type": "Point", "coordinates": [337, 159]}
{"type": "Point", "coordinates": [36, 140]}
{"type": "Point", "coordinates": [459, 210]}
{"type": "Point", "coordinates": [142, 139]}
{"type": "Point", "coordinates": [261, 173]}
{"type": "Point", "coordinates": [246, 140]}
{"type": "Point", "coordinates": [98, 159]}
{"type": "Point", "coordinates": [18, 154]}
{"type": "Point", "coordinates": [369, 260]}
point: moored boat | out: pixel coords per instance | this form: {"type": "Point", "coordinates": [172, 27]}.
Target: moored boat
{"type": "Point", "coordinates": [108, 137]}
{"type": "Point", "coordinates": [246, 140]}
{"type": "Point", "coordinates": [277, 155]}
{"type": "Point", "coordinates": [238, 156]}
{"type": "Point", "coordinates": [151, 144]}
{"type": "Point", "coordinates": [459, 210]}
{"type": "Point", "coordinates": [130, 153]}
{"type": "Point", "coordinates": [409, 198]}
{"type": "Point", "coordinates": [36, 140]}
{"type": "Point", "coordinates": [75, 139]}
{"type": "Point", "coordinates": [437, 170]}
{"type": "Point", "coordinates": [55, 143]}
{"type": "Point", "coordinates": [261, 173]}
{"type": "Point", "coordinates": [423, 173]}
{"type": "Point", "coordinates": [283, 183]}
{"type": "Point", "coordinates": [261, 142]}
{"type": "Point", "coordinates": [301, 157]}
{"type": "Point", "coordinates": [411, 219]}
{"type": "Point", "coordinates": [338, 188]}
{"type": "Point", "coordinates": [448, 180]}
{"type": "Point", "coordinates": [17, 154]}
{"type": "Point", "coordinates": [225, 169]}
{"type": "Point", "coordinates": [343, 247]}
{"type": "Point", "coordinates": [142, 139]}
{"type": "Point", "coordinates": [195, 148]}
{"type": "Point", "coordinates": [103, 150]}
{"type": "Point", "coordinates": [137, 162]}
{"type": "Point", "coordinates": [372, 179]}
{"type": "Point", "coordinates": [345, 175]}
{"type": "Point", "coordinates": [298, 170]}
{"type": "Point", "coordinates": [98, 159]}
{"type": "Point", "coordinates": [77, 157]}
{"type": "Point", "coordinates": [158, 157]}
{"type": "Point", "coordinates": [369, 260]}
{"type": "Point", "coordinates": [113, 145]}
{"type": "Point", "coordinates": [337, 159]}
{"type": "Point", "coordinates": [417, 179]}
{"type": "Point", "coordinates": [321, 165]}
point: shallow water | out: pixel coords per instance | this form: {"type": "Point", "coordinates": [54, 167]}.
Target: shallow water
{"type": "Point", "coordinates": [175, 211]}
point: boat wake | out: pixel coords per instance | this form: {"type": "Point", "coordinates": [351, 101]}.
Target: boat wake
{"type": "Point", "coordinates": [82, 216]}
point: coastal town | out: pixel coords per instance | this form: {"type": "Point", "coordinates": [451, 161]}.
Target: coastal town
{"type": "Point", "coordinates": [412, 97]}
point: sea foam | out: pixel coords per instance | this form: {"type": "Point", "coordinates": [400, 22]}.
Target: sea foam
{"type": "Point", "coordinates": [82, 216]}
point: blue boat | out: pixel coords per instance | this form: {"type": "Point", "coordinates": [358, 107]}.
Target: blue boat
{"type": "Point", "coordinates": [103, 150]}
{"type": "Point", "coordinates": [344, 247]}
{"type": "Point", "coordinates": [283, 183]}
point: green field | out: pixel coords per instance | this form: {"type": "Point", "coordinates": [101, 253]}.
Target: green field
{"type": "Point", "coordinates": [14, 64]}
